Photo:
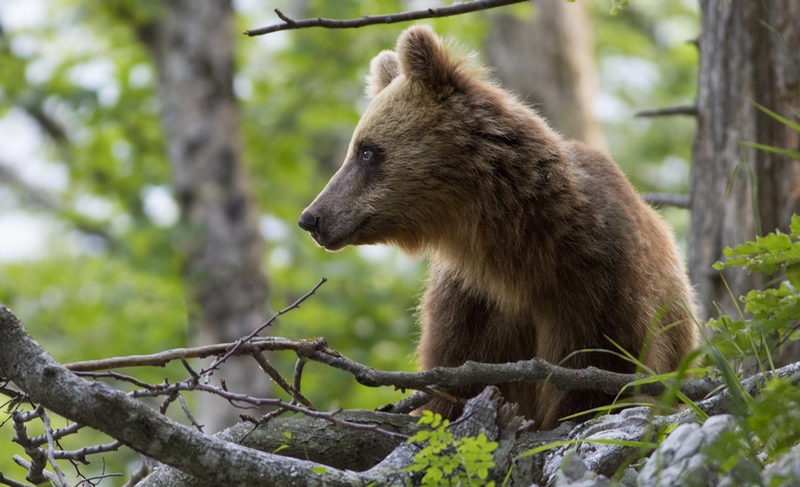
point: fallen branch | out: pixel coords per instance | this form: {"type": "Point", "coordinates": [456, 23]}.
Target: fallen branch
{"type": "Point", "coordinates": [428, 13]}
{"type": "Point", "coordinates": [470, 373]}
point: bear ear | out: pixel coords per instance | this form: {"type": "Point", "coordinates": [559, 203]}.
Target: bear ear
{"type": "Point", "coordinates": [382, 70]}
{"type": "Point", "coordinates": [424, 59]}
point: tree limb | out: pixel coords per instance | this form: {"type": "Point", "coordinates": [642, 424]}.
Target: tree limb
{"type": "Point", "coordinates": [470, 373]}
{"type": "Point", "coordinates": [428, 13]}
{"type": "Point", "coordinates": [666, 199]}
{"type": "Point", "coordinates": [533, 370]}
{"type": "Point", "coordinates": [161, 359]}
{"type": "Point", "coordinates": [690, 110]}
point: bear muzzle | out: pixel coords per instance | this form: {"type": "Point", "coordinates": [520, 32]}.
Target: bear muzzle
{"type": "Point", "coordinates": [311, 222]}
{"type": "Point", "coordinates": [308, 222]}
{"type": "Point", "coordinates": [332, 232]}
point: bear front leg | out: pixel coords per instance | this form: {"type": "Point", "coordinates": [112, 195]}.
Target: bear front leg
{"type": "Point", "coordinates": [458, 324]}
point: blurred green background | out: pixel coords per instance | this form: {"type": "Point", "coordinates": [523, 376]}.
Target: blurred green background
{"type": "Point", "coordinates": [90, 259]}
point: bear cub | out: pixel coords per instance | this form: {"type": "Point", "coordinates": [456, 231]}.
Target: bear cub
{"type": "Point", "coordinates": [538, 246]}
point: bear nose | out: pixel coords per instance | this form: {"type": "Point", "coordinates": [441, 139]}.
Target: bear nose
{"type": "Point", "coordinates": [308, 221]}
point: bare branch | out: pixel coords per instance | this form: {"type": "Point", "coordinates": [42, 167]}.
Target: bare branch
{"type": "Point", "coordinates": [13, 483]}
{"type": "Point", "coordinates": [93, 480]}
{"type": "Point", "coordinates": [298, 374]}
{"type": "Point", "coordinates": [470, 373]}
{"type": "Point", "coordinates": [723, 402]}
{"type": "Point", "coordinates": [189, 413]}
{"type": "Point", "coordinates": [43, 475]}
{"type": "Point", "coordinates": [428, 13]}
{"type": "Point", "coordinates": [258, 330]}
{"type": "Point", "coordinates": [115, 375]}
{"type": "Point", "coordinates": [278, 378]}
{"type": "Point", "coordinates": [665, 199]}
{"type": "Point", "coordinates": [140, 473]}
{"type": "Point", "coordinates": [410, 403]}
{"type": "Point", "coordinates": [51, 447]}
{"type": "Point", "coordinates": [690, 110]}
{"type": "Point", "coordinates": [161, 359]}
{"type": "Point", "coordinates": [80, 455]}
{"type": "Point", "coordinates": [57, 434]}
{"type": "Point", "coordinates": [36, 468]}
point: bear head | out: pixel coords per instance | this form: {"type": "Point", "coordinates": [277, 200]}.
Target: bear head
{"type": "Point", "coordinates": [413, 164]}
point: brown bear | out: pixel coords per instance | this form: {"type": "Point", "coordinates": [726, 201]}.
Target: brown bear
{"type": "Point", "coordinates": [538, 246]}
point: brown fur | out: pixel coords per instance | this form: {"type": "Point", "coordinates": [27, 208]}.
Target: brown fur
{"type": "Point", "coordinates": [539, 247]}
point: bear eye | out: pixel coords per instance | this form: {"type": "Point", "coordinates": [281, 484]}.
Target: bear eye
{"type": "Point", "coordinates": [368, 155]}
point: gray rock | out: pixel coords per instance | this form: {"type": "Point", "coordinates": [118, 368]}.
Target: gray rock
{"type": "Point", "coordinates": [680, 461]}
{"type": "Point", "coordinates": [601, 461]}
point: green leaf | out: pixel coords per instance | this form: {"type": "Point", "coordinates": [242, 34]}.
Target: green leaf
{"type": "Point", "coordinates": [319, 470]}
{"type": "Point", "coordinates": [795, 225]}
{"type": "Point", "coordinates": [747, 248]}
{"type": "Point", "coordinates": [775, 242]}
{"type": "Point", "coordinates": [793, 275]}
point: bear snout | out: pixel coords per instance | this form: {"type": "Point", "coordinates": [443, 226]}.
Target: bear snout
{"type": "Point", "coordinates": [308, 222]}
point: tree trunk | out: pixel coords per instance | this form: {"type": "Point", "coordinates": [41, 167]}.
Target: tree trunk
{"type": "Point", "coordinates": [749, 53]}
{"type": "Point", "coordinates": [548, 60]}
{"type": "Point", "coordinates": [226, 285]}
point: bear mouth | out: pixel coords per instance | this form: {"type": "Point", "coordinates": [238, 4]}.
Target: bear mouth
{"type": "Point", "coordinates": [341, 241]}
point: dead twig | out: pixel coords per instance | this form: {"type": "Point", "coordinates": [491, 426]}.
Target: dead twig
{"type": "Point", "coordinates": [278, 378]}
{"type": "Point", "coordinates": [665, 199]}
{"type": "Point", "coordinates": [36, 468]}
{"type": "Point", "coordinates": [428, 13]}
{"type": "Point", "coordinates": [13, 483]}
{"type": "Point", "coordinates": [298, 373]}
{"type": "Point", "coordinates": [258, 330]}
{"type": "Point", "coordinates": [690, 110]}
{"type": "Point", "coordinates": [51, 445]}
{"type": "Point", "coordinates": [161, 359]}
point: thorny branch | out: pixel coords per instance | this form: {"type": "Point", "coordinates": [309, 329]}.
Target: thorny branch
{"type": "Point", "coordinates": [428, 13]}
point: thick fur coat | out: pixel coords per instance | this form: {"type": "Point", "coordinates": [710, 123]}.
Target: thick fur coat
{"type": "Point", "coordinates": [538, 246]}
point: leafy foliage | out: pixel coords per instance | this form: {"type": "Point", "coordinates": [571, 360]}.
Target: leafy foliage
{"type": "Point", "coordinates": [775, 416]}
{"type": "Point", "coordinates": [770, 317]}
{"type": "Point", "coordinates": [447, 461]}
{"type": "Point", "coordinates": [769, 424]}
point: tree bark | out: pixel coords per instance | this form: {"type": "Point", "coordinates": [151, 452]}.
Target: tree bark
{"type": "Point", "coordinates": [749, 53]}
{"type": "Point", "coordinates": [226, 283]}
{"type": "Point", "coordinates": [548, 60]}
